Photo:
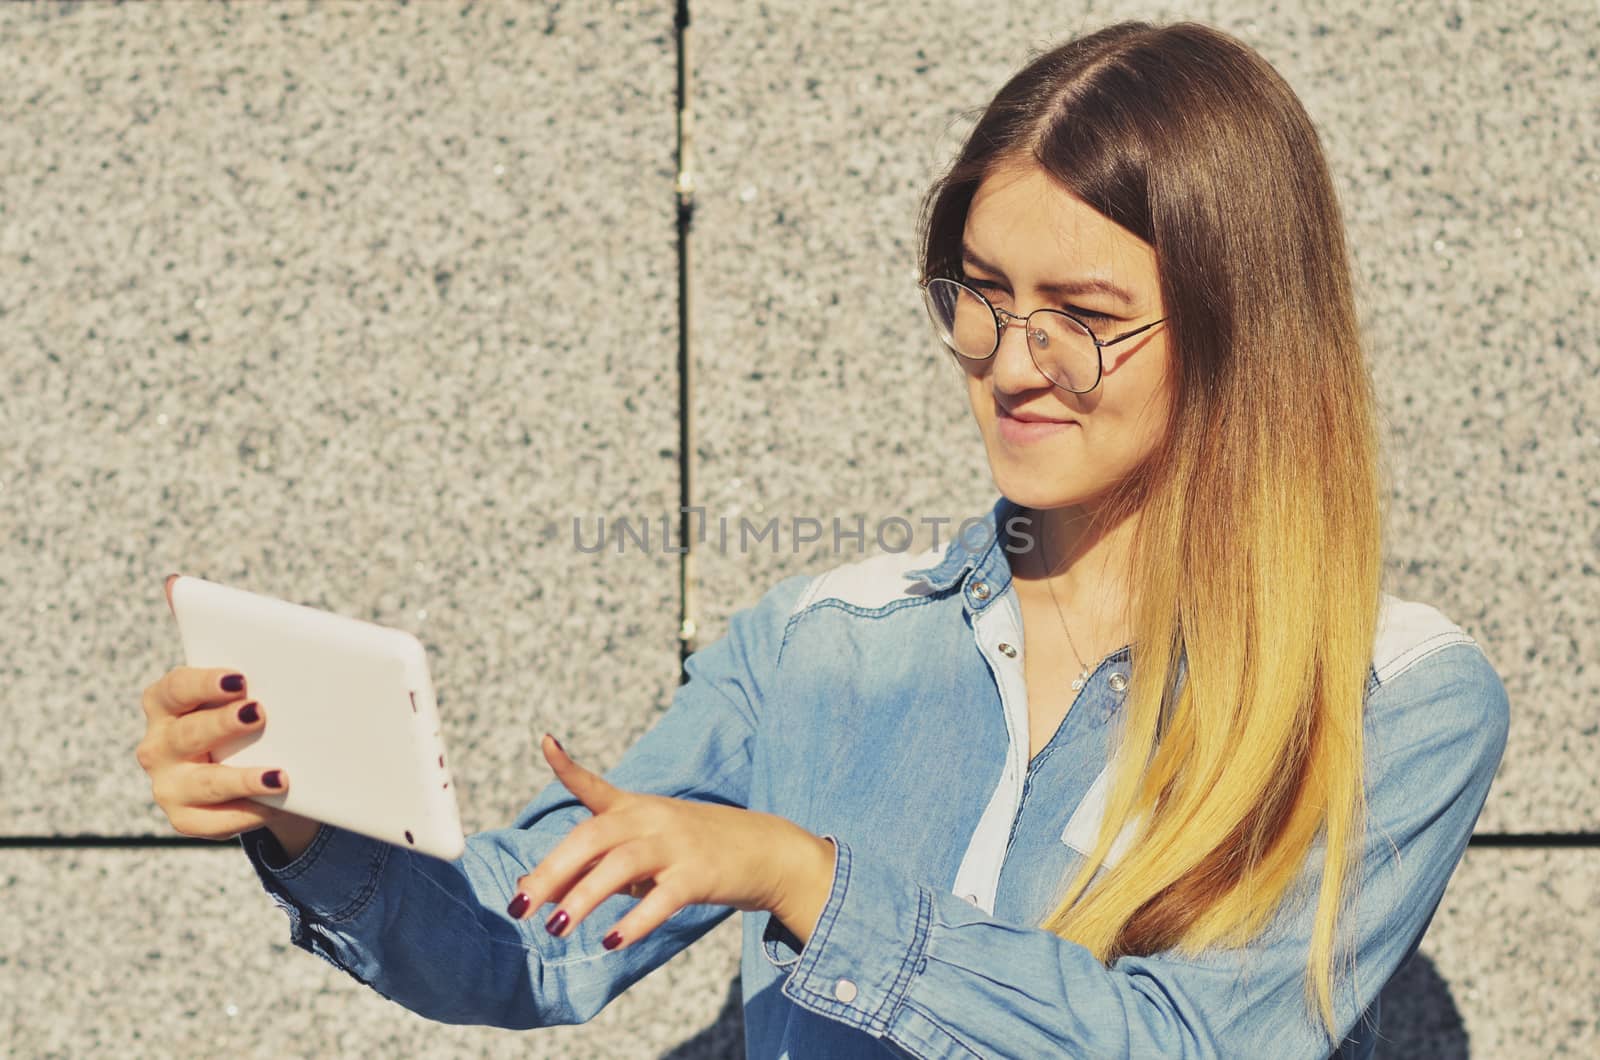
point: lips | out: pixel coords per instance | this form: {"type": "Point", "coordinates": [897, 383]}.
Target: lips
{"type": "Point", "coordinates": [1030, 417]}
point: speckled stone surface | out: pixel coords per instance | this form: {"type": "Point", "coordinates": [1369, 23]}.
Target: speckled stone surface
{"type": "Point", "coordinates": [355, 305]}
{"type": "Point", "coordinates": [177, 952]}
{"type": "Point", "coordinates": [1510, 966]}
{"type": "Point", "coordinates": [1463, 147]}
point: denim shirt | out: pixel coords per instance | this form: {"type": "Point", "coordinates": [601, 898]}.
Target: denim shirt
{"type": "Point", "coordinates": [881, 703]}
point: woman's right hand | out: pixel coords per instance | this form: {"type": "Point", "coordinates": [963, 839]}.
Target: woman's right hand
{"type": "Point", "coordinates": [187, 713]}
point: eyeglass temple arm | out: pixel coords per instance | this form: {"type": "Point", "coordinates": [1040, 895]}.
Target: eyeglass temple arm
{"type": "Point", "coordinates": [1131, 334]}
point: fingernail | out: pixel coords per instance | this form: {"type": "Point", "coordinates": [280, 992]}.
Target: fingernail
{"type": "Point", "coordinates": [233, 683]}
{"type": "Point", "coordinates": [272, 778]}
{"type": "Point", "coordinates": [611, 941]}
{"type": "Point", "coordinates": [248, 713]}
{"type": "Point", "coordinates": [563, 750]}
{"type": "Point", "coordinates": [518, 906]}
{"type": "Point", "coordinates": [556, 923]}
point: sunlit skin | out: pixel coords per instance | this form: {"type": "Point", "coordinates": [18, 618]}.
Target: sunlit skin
{"type": "Point", "coordinates": [1024, 223]}
{"type": "Point", "coordinates": [669, 853]}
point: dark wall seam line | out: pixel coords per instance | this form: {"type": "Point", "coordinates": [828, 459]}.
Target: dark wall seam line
{"type": "Point", "coordinates": [1534, 840]}
{"type": "Point", "coordinates": [684, 190]}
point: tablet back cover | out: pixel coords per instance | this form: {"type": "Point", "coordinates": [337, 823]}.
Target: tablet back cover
{"type": "Point", "coordinates": [350, 713]}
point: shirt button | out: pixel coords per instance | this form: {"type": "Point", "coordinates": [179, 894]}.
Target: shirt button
{"type": "Point", "coordinates": [980, 589]}
{"type": "Point", "coordinates": [1119, 682]}
{"type": "Point", "coordinates": [844, 990]}
{"type": "Point", "coordinates": [971, 898]}
{"type": "Point", "coordinates": [1007, 650]}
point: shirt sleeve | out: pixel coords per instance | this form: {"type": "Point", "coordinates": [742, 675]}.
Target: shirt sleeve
{"type": "Point", "coordinates": [935, 976]}
{"type": "Point", "coordinates": [434, 936]}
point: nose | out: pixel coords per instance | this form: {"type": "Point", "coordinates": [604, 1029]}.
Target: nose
{"type": "Point", "coordinates": [1014, 369]}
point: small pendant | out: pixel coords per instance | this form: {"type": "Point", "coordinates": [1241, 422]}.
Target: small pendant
{"type": "Point", "coordinates": [1077, 684]}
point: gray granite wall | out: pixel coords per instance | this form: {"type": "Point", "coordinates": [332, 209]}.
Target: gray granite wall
{"type": "Point", "coordinates": [361, 305]}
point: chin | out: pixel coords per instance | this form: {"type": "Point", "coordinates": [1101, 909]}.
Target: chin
{"type": "Point", "coordinates": [1035, 477]}
{"type": "Point", "coordinates": [1039, 483]}
{"type": "Point", "coordinates": [1032, 485]}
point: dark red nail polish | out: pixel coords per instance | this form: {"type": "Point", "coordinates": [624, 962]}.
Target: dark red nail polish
{"type": "Point", "coordinates": [557, 742]}
{"type": "Point", "coordinates": [611, 941]}
{"type": "Point", "coordinates": [248, 713]}
{"type": "Point", "coordinates": [556, 923]}
{"type": "Point", "coordinates": [233, 683]}
{"type": "Point", "coordinates": [272, 778]}
{"type": "Point", "coordinates": [518, 906]}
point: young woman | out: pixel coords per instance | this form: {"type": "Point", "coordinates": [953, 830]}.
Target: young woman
{"type": "Point", "coordinates": [1144, 763]}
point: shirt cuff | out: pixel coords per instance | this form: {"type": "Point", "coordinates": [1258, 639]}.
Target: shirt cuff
{"type": "Point", "coordinates": [332, 880]}
{"type": "Point", "coordinates": [782, 946]}
{"type": "Point", "coordinates": [868, 944]}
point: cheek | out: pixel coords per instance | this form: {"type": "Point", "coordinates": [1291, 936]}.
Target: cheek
{"type": "Point", "coordinates": [978, 398]}
{"type": "Point", "coordinates": [1148, 422]}
{"type": "Point", "coordinates": [1127, 426]}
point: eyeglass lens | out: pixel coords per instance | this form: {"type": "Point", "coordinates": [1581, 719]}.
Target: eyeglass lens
{"type": "Point", "coordinates": [1061, 348]}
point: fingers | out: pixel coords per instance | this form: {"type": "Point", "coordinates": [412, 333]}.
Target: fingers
{"type": "Point", "coordinates": [593, 790]}
{"type": "Point", "coordinates": [192, 736]}
{"type": "Point", "coordinates": [653, 910]}
{"type": "Point", "coordinates": [561, 868]}
{"type": "Point", "coordinates": [213, 800]}
{"type": "Point", "coordinates": [199, 797]}
{"type": "Point", "coordinates": [186, 688]}
{"type": "Point", "coordinates": [597, 859]}
{"type": "Point", "coordinates": [196, 733]}
{"type": "Point", "coordinates": [190, 784]}
{"type": "Point", "coordinates": [618, 871]}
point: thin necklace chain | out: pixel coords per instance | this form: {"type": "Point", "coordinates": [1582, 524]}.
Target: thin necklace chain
{"type": "Point", "coordinates": [1083, 673]}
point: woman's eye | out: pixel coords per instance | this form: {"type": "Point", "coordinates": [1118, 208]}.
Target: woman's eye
{"type": "Point", "coordinates": [994, 292]}
{"type": "Point", "coordinates": [985, 286]}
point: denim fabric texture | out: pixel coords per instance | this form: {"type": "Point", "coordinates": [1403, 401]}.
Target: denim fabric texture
{"type": "Point", "coordinates": [872, 704]}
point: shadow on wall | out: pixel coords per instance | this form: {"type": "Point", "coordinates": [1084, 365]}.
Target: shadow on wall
{"type": "Point", "coordinates": [1418, 1021]}
{"type": "Point", "coordinates": [1417, 1016]}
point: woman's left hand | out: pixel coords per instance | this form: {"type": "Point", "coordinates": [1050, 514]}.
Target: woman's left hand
{"type": "Point", "coordinates": [668, 853]}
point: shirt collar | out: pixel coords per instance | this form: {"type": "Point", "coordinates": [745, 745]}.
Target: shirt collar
{"type": "Point", "coordinates": [981, 550]}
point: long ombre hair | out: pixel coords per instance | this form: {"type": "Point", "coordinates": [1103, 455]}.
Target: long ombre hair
{"type": "Point", "coordinates": [1257, 547]}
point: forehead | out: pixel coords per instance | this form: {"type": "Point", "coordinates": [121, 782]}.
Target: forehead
{"type": "Point", "coordinates": [1024, 221]}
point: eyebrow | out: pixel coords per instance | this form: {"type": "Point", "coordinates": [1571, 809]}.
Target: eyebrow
{"type": "Point", "coordinates": [1088, 285]}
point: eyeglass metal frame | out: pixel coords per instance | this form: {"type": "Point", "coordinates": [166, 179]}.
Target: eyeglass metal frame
{"type": "Point", "coordinates": [999, 328]}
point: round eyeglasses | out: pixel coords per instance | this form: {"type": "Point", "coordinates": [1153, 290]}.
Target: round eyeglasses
{"type": "Point", "coordinates": [1063, 348]}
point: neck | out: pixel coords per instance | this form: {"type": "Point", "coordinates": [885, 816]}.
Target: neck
{"type": "Point", "coordinates": [1078, 559]}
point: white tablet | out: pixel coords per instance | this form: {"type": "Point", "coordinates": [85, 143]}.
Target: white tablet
{"type": "Point", "coordinates": [350, 714]}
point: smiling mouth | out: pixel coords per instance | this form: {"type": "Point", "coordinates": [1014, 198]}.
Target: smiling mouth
{"type": "Point", "coordinates": [1002, 413]}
